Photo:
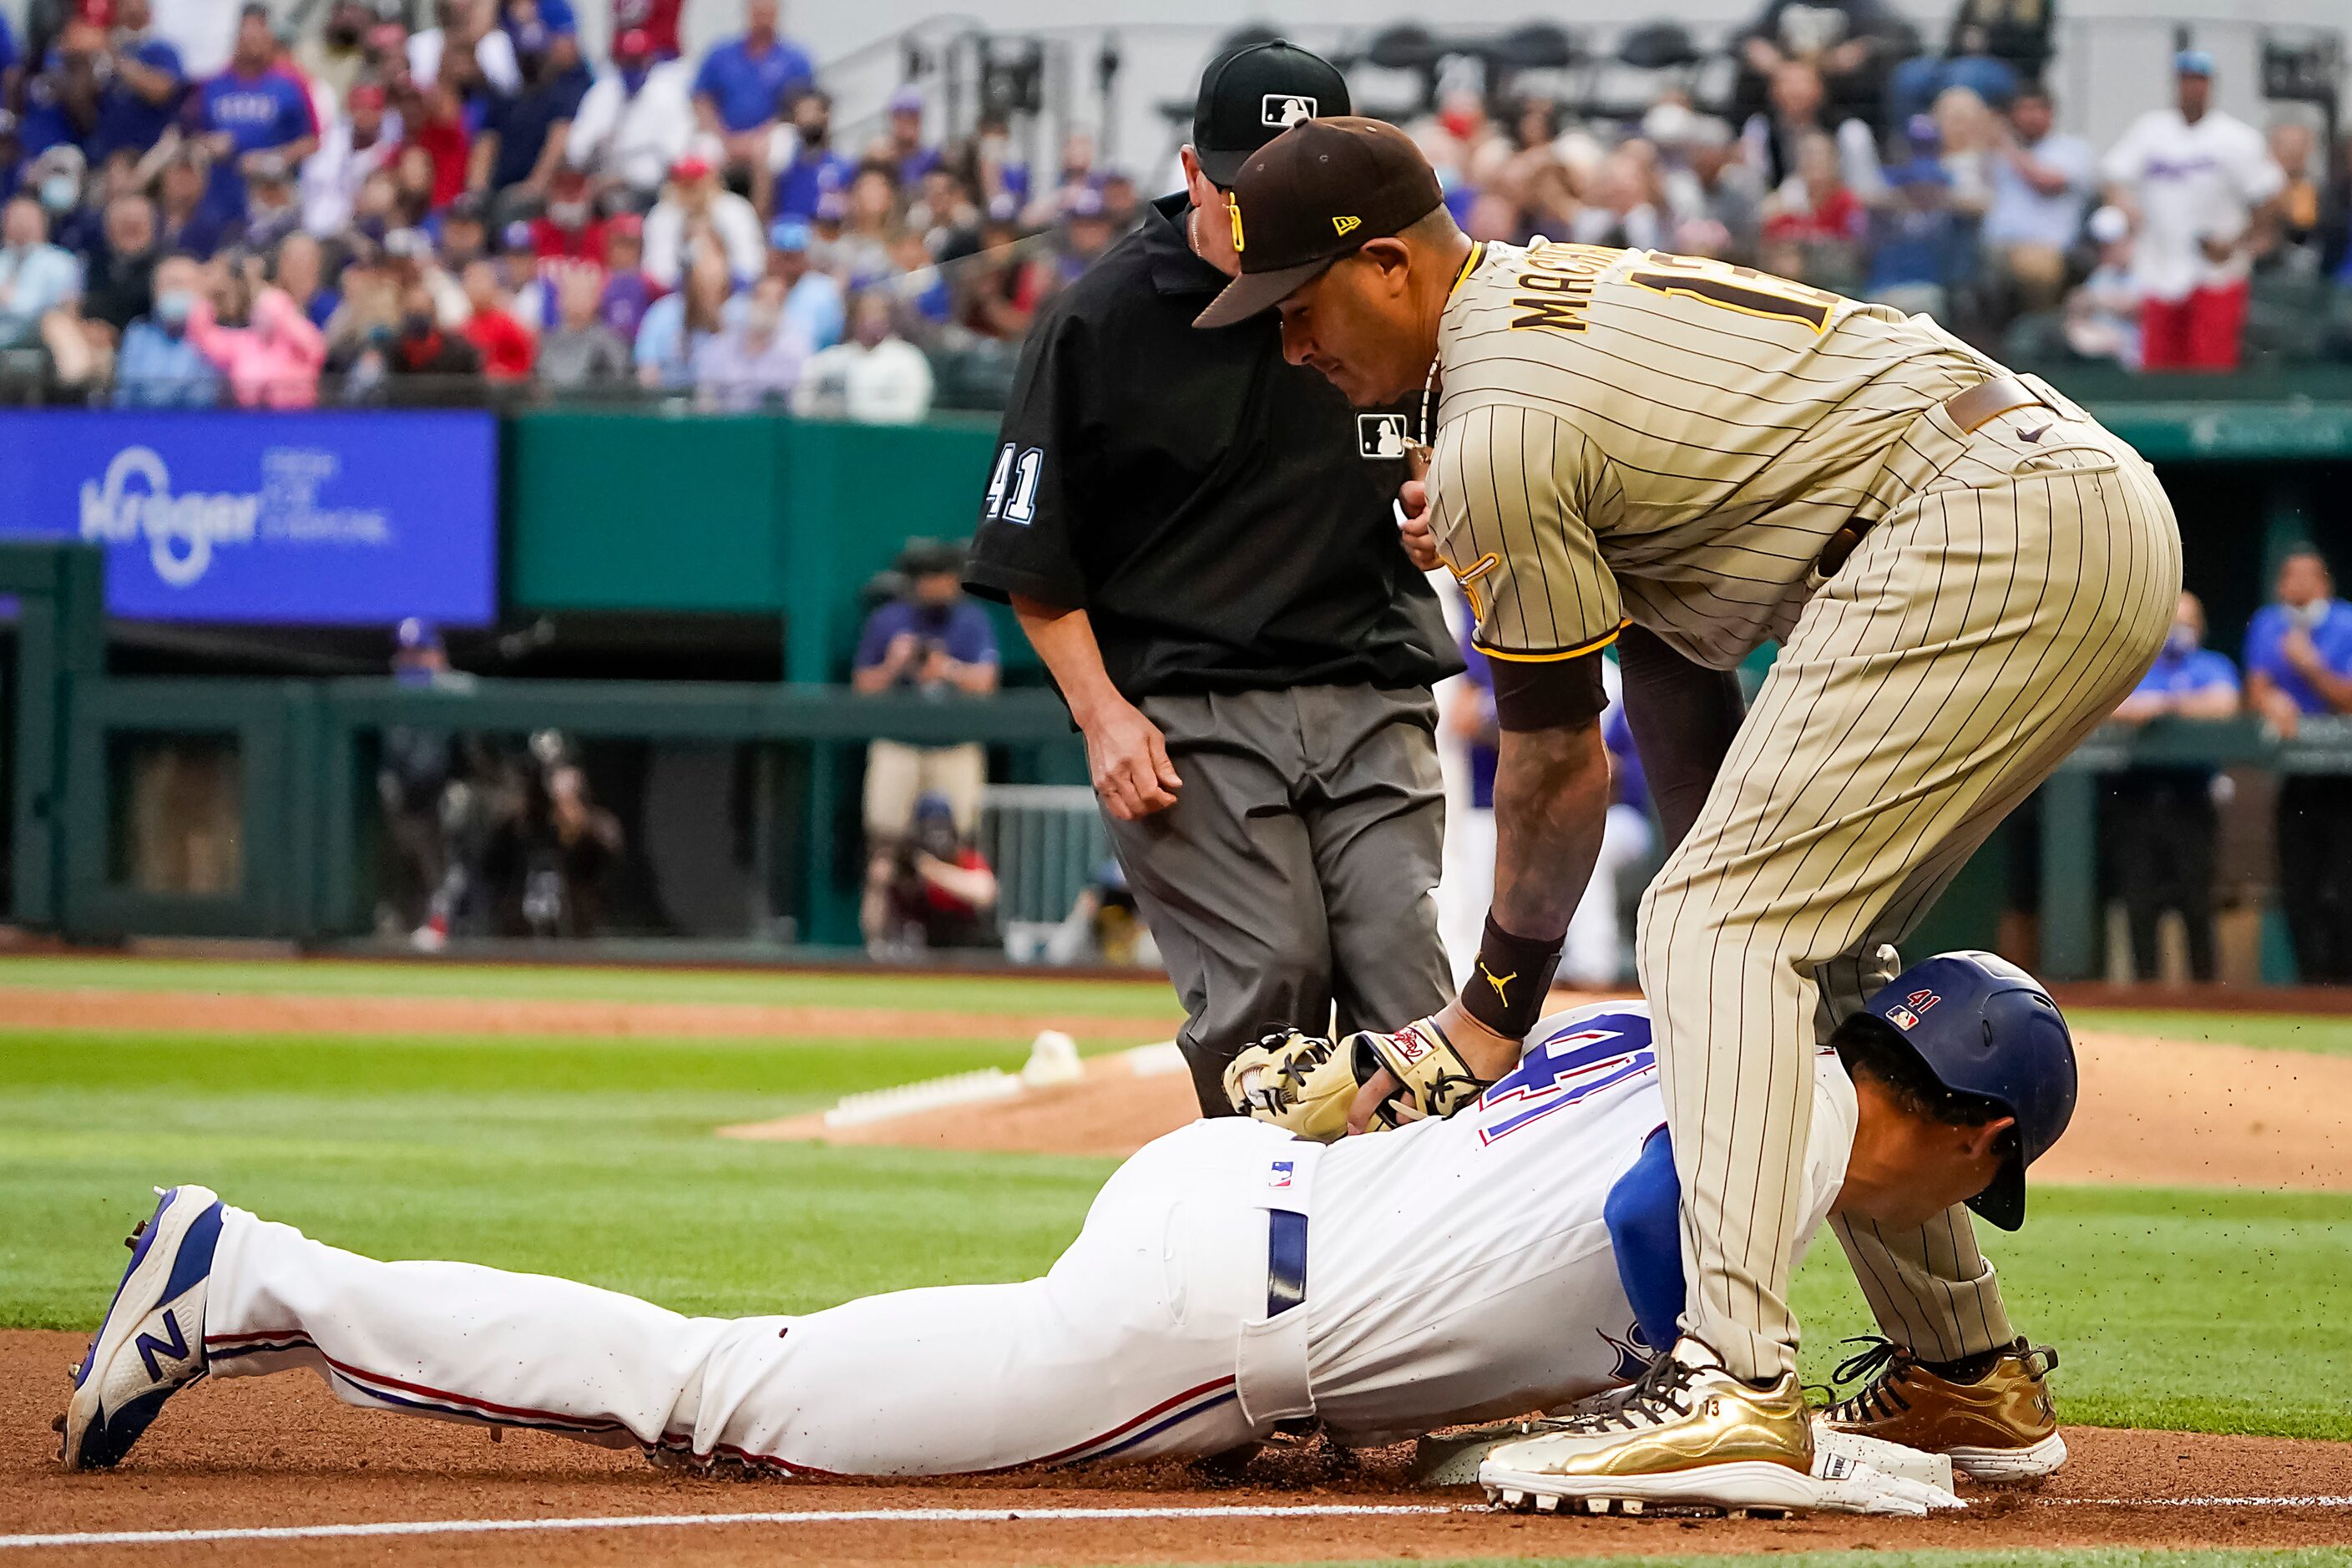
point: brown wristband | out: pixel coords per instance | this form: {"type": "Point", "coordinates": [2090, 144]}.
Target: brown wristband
{"type": "Point", "coordinates": [1506, 988]}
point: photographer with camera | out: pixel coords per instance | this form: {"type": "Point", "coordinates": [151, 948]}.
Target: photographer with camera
{"type": "Point", "coordinates": [929, 638]}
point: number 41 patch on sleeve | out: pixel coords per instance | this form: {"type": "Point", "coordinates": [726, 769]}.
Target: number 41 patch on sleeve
{"type": "Point", "coordinates": [1013, 487]}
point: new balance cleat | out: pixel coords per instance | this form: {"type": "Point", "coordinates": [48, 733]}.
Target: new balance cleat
{"type": "Point", "coordinates": [1689, 1434]}
{"type": "Point", "coordinates": [151, 1343]}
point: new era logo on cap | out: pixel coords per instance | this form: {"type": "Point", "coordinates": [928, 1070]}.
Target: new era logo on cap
{"type": "Point", "coordinates": [1347, 225]}
{"type": "Point", "coordinates": [1284, 109]}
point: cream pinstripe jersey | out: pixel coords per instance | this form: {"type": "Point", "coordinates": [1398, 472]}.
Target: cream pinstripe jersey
{"type": "Point", "coordinates": [1628, 435]}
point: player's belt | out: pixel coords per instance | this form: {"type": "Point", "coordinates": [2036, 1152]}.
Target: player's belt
{"type": "Point", "coordinates": [1286, 1260]}
{"type": "Point", "coordinates": [1971, 410]}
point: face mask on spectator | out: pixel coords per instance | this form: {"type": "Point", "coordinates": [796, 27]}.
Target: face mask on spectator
{"type": "Point", "coordinates": [2181, 640]}
{"type": "Point", "coordinates": [568, 214]}
{"type": "Point", "coordinates": [172, 307]}
{"type": "Point", "coordinates": [59, 192]}
{"type": "Point", "coordinates": [2307, 615]}
{"type": "Point", "coordinates": [417, 324]}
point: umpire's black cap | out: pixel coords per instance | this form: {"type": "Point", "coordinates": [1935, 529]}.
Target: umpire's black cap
{"type": "Point", "coordinates": [1251, 95]}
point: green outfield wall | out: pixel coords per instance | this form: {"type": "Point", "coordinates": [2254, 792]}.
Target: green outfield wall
{"type": "Point", "coordinates": [648, 511]}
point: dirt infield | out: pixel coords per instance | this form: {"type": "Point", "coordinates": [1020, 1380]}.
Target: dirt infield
{"type": "Point", "coordinates": [280, 1452]}
{"type": "Point", "coordinates": [2152, 1113]}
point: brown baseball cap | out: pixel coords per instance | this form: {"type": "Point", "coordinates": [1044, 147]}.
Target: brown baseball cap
{"type": "Point", "coordinates": [1312, 196]}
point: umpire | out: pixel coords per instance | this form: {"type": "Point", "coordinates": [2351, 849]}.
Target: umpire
{"type": "Point", "coordinates": [1197, 537]}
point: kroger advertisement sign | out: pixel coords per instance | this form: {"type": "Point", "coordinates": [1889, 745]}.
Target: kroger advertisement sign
{"type": "Point", "coordinates": [306, 519]}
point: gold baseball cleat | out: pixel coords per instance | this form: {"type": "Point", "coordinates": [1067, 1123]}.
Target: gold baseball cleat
{"type": "Point", "coordinates": [1688, 1435]}
{"type": "Point", "coordinates": [1996, 1426]}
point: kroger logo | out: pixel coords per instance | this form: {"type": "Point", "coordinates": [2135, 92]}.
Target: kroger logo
{"type": "Point", "coordinates": [135, 497]}
{"type": "Point", "coordinates": [135, 501]}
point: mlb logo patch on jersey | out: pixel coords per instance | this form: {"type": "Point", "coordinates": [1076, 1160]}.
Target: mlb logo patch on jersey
{"type": "Point", "coordinates": [1380, 438]}
{"type": "Point", "coordinates": [1287, 109]}
{"type": "Point", "coordinates": [1281, 1175]}
{"type": "Point", "coordinates": [1905, 1016]}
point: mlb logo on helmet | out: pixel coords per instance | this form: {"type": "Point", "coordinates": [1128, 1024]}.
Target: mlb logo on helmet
{"type": "Point", "coordinates": [1902, 1015]}
{"type": "Point", "coordinates": [1287, 109]}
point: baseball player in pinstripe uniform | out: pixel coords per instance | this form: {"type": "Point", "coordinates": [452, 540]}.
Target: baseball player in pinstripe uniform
{"type": "Point", "coordinates": [1965, 574]}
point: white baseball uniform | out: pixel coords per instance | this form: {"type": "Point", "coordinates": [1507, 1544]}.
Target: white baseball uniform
{"type": "Point", "coordinates": [1455, 1270]}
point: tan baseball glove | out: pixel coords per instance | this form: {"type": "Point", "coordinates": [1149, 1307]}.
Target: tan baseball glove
{"type": "Point", "coordinates": [1305, 1083]}
{"type": "Point", "coordinates": [1302, 1083]}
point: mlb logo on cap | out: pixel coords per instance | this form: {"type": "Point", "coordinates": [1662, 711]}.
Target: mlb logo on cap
{"type": "Point", "coordinates": [1285, 110]}
{"type": "Point", "coordinates": [1380, 438]}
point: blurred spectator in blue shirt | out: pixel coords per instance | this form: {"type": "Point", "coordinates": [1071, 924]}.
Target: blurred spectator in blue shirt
{"type": "Point", "coordinates": [628, 292]}
{"type": "Point", "coordinates": [186, 222]}
{"type": "Point", "coordinates": [255, 110]}
{"type": "Point", "coordinates": [2299, 649]}
{"type": "Point", "coordinates": [930, 638]}
{"type": "Point", "coordinates": [61, 94]}
{"type": "Point", "coordinates": [2159, 823]}
{"type": "Point", "coordinates": [814, 170]}
{"type": "Point", "coordinates": [676, 325]}
{"type": "Point", "coordinates": [157, 367]}
{"type": "Point", "coordinates": [1913, 230]}
{"type": "Point", "coordinates": [743, 84]}
{"type": "Point", "coordinates": [37, 280]}
{"type": "Point", "coordinates": [141, 95]}
{"type": "Point", "coordinates": [2041, 183]}
{"type": "Point", "coordinates": [905, 148]}
{"type": "Point", "coordinates": [813, 301]}
{"type": "Point", "coordinates": [2299, 663]}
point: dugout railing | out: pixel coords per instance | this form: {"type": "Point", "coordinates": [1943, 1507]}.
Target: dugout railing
{"type": "Point", "coordinates": [303, 805]}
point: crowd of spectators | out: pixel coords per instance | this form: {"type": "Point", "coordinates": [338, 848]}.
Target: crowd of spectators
{"type": "Point", "coordinates": [374, 213]}
{"type": "Point", "coordinates": [2161, 824]}
{"type": "Point", "coordinates": [200, 209]}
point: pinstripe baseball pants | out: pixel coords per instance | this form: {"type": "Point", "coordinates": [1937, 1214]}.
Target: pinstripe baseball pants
{"type": "Point", "coordinates": [2021, 581]}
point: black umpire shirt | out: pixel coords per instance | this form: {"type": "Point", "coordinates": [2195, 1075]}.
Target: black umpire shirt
{"type": "Point", "coordinates": [1210, 506]}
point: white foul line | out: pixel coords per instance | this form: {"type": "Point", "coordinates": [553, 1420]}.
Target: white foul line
{"type": "Point", "coordinates": [680, 1521]}
{"type": "Point", "coordinates": [925, 1516]}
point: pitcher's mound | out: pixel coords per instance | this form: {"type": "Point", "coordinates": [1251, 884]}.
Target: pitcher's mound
{"type": "Point", "coordinates": [1110, 1106]}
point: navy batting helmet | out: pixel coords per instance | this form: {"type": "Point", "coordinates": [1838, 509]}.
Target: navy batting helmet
{"type": "Point", "coordinates": [1986, 1027]}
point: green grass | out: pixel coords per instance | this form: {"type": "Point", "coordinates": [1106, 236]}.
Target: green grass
{"type": "Point", "coordinates": [327, 977]}
{"type": "Point", "coordinates": [2022, 1557]}
{"type": "Point", "coordinates": [2263, 1031]}
{"type": "Point", "coordinates": [587, 1158]}
{"type": "Point", "coordinates": [2212, 1311]}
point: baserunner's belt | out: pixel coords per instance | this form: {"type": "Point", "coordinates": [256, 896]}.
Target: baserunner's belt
{"type": "Point", "coordinates": [1971, 410]}
{"type": "Point", "coordinates": [1285, 1261]}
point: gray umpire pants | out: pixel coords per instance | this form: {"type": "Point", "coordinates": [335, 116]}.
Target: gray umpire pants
{"type": "Point", "coordinates": [1296, 870]}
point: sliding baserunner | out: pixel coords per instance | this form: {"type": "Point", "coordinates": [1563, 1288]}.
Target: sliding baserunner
{"type": "Point", "coordinates": [1229, 1277]}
